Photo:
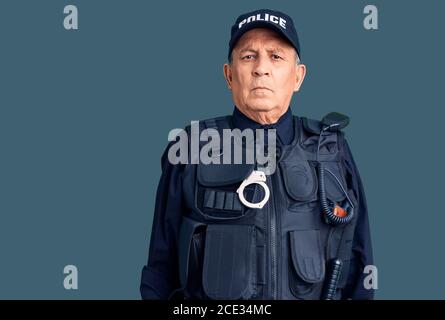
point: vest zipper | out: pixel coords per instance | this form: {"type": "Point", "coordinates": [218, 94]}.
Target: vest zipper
{"type": "Point", "coordinates": [278, 211]}
{"type": "Point", "coordinates": [273, 243]}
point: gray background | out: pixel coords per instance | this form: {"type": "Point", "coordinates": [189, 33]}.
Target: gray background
{"type": "Point", "coordinates": [84, 117]}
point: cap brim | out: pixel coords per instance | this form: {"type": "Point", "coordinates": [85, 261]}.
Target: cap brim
{"type": "Point", "coordinates": [260, 24]}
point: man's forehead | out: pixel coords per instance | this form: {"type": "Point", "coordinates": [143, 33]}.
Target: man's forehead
{"type": "Point", "coordinates": [255, 48]}
{"type": "Point", "coordinates": [263, 37]}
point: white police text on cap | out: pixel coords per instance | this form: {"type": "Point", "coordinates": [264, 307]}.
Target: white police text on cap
{"type": "Point", "coordinates": [274, 19]}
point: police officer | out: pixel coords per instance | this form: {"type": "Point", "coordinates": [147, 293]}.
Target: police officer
{"type": "Point", "coordinates": [309, 239]}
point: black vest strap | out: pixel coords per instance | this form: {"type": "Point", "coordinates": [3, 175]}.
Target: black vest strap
{"type": "Point", "coordinates": [219, 123]}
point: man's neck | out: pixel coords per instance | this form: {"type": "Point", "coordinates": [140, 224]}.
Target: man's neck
{"type": "Point", "coordinates": [264, 117]}
{"type": "Point", "coordinates": [284, 125]}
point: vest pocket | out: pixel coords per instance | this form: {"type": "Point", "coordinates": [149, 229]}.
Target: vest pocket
{"type": "Point", "coordinates": [229, 258]}
{"type": "Point", "coordinates": [307, 264]}
{"type": "Point", "coordinates": [300, 180]}
{"type": "Point", "coordinates": [300, 184]}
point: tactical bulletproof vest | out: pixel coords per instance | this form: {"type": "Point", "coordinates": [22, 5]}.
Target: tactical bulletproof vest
{"type": "Point", "coordinates": [281, 251]}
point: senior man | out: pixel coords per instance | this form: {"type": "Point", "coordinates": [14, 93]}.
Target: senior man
{"type": "Point", "coordinates": [233, 231]}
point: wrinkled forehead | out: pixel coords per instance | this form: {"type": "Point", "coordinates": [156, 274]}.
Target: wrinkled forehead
{"type": "Point", "coordinates": [260, 38]}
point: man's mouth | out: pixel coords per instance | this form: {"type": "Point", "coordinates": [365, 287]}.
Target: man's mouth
{"type": "Point", "coordinates": [261, 88]}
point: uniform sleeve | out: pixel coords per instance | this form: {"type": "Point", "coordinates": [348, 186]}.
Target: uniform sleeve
{"type": "Point", "coordinates": [361, 247]}
{"type": "Point", "coordinates": [160, 276]}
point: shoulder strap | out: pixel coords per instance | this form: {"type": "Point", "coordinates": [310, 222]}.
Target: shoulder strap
{"type": "Point", "coordinates": [334, 120]}
{"type": "Point", "coordinates": [219, 123]}
{"type": "Point", "coordinates": [311, 125]}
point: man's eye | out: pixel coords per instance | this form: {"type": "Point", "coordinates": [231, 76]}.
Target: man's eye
{"type": "Point", "coordinates": [276, 57]}
{"type": "Point", "coordinates": [248, 57]}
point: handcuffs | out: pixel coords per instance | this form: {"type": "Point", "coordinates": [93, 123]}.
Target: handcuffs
{"type": "Point", "coordinates": [258, 177]}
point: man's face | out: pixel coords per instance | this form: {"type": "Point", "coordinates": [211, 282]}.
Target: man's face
{"type": "Point", "coordinates": [263, 73]}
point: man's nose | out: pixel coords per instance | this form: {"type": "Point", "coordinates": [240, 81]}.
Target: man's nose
{"type": "Point", "coordinates": [261, 67]}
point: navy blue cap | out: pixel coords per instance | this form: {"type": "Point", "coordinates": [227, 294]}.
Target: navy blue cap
{"type": "Point", "coordinates": [265, 18]}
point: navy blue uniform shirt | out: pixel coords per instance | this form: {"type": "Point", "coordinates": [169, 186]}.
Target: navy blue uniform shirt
{"type": "Point", "coordinates": [160, 277]}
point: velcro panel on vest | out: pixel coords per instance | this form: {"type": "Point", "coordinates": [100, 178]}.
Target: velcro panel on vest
{"type": "Point", "coordinates": [229, 261]}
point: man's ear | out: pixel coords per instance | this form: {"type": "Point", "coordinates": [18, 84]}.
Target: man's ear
{"type": "Point", "coordinates": [301, 73]}
{"type": "Point", "coordinates": [228, 75]}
